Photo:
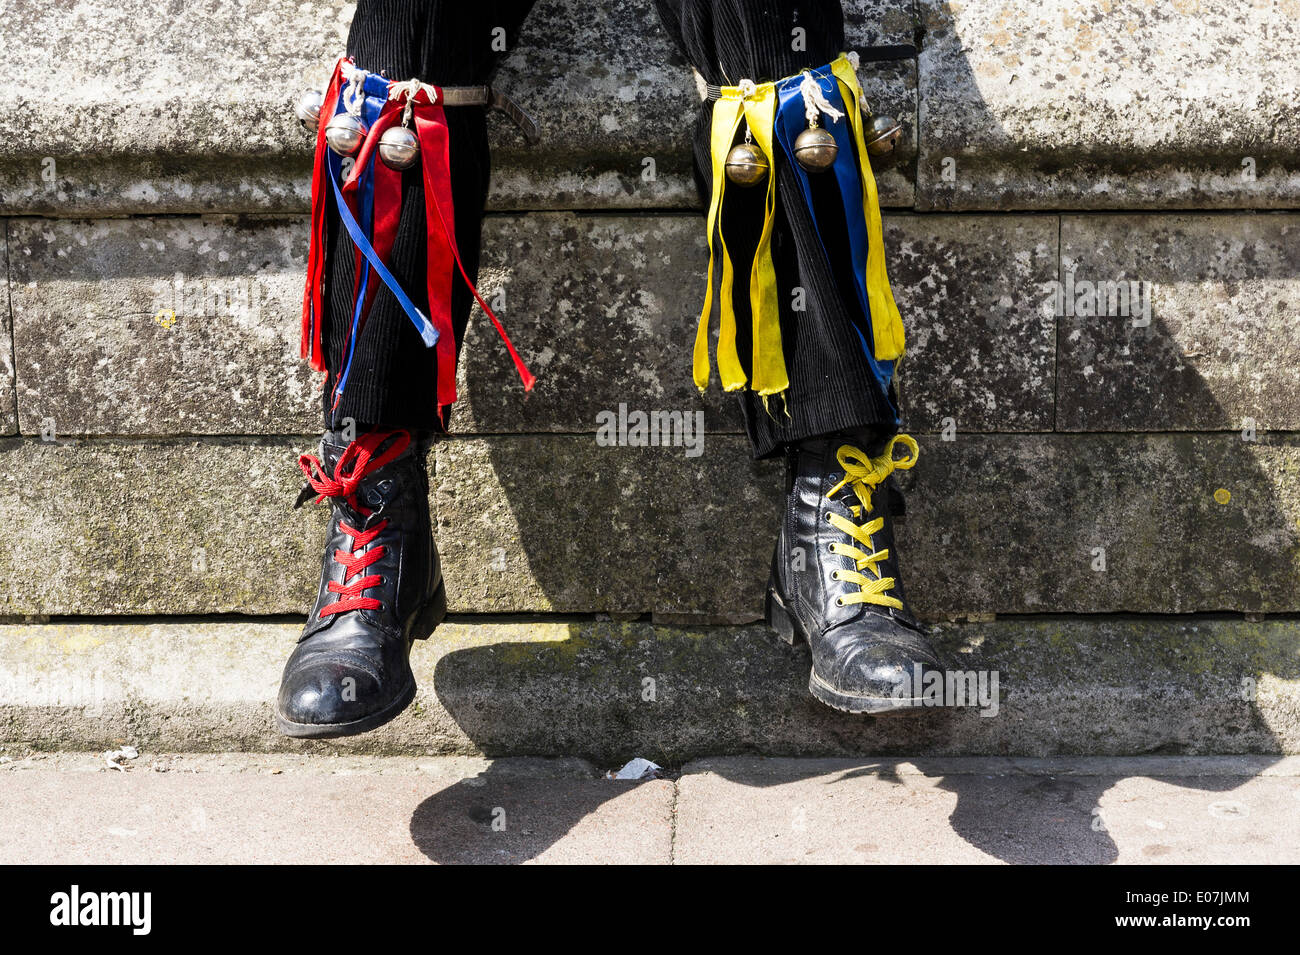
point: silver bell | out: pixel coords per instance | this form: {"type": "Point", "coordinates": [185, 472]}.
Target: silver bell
{"type": "Point", "coordinates": [816, 149]}
{"type": "Point", "coordinates": [344, 133]}
{"type": "Point", "coordinates": [399, 148]}
{"type": "Point", "coordinates": [308, 109]}
{"type": "Point", "coordinates": [882, 135]}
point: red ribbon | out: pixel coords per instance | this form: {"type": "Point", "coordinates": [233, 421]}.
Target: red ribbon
{"type": "Point", "coordinates": [310, 347]}
{"type": "Point", "coordinates": [431, 127]}
{"type": "Point", "coordinates": [386, 210]}
{"type": "Point", "coordinates": [431, 130]}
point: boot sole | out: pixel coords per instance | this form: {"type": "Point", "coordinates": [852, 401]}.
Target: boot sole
{"type": "Point", "coordinates": [430, 616]}
{"type": "Point", "coordinates": [788, 629]}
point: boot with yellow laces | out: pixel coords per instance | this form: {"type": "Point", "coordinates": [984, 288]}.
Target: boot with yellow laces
{"type": "Point", "coordinates": [835, 578]}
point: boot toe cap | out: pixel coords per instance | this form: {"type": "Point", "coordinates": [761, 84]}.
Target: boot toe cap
{"type": "Point", "coordinates": [885, 670]}
{"type": "Point", "coordinates": [329, 693]}
{"type": "Point", "coordinates": [880, 670]}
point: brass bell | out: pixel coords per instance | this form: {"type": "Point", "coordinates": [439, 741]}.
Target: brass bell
{"type": "Point", "coordinates": [308, 109]}
{"type": "Point", "coordinates": [816, 149]}
{"type": "Point", "coordinates": [746, 165]}
{"type": "Point", "coordinates": [344, 133]}
{"type": "Point", "coordinates": [882, 135]}
{"type": "Point", "coordinates": [399, 148]}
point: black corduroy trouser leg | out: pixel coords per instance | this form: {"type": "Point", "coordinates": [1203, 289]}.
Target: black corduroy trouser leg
{"type": "Point", "coordinates": [392, 382]}
{"type": "Point", "coordinates": [832, 387]}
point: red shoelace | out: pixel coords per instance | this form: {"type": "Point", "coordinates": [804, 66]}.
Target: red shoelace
{"type": "Point", "coordinates": [358, 460]}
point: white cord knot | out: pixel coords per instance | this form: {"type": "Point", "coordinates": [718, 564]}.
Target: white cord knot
{"type": "Point", "coordinates": [410, 89]}
{"type": "Point", "coordinates": [747, 88]}
{"type": "Point", "coordinates": [815, 101]}
{"type": "Point", "coordinates": [353, 92]}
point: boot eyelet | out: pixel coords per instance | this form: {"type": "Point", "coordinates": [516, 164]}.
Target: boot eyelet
{"type": "Point", "coordinates": [828, 517]}
{"type": "Point", "coordinates": [835, 575]}
{"type": "Point", "coordinates": [839, 601]}
{"type": "Point", "coordinates": [830, 548]}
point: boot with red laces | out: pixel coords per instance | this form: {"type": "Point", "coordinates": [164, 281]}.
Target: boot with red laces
{"type": "Point", "coordinates": [380, 588]}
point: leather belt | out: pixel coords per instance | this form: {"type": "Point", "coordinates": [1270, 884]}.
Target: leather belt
{"type": "Point", "coordinates": [487, 96]}
{"type": "Point", "coordinates": [870, 54]}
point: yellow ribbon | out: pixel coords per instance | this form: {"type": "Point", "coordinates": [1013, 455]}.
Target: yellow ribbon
{"type": "Point", "coordinates": [768, 360]}
{"type": "Point", "coordinates": [757, 105]}
{"type": "Point", "coordinates": [886, 323]}
{"type": "Point", "coordinates": [726, 118]}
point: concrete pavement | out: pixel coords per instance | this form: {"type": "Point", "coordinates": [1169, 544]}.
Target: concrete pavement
{"type": "Point", "coordinates": [276, 808]}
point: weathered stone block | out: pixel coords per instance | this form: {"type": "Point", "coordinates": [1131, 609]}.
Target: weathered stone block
{"type": "Point", "coordinates": [604, 309]}
{"type": "Point", "coordinates": [162, 526]}
{"type": "Point", "coordinates": [981, 355]}
{"type": "Point", "coordinates": [1104, 523]}
{"type": "Point", "coordinates": [1205, 337]}
{"type": "Point", "coordinates": [565, 524]}
{"type": "Point", "coordinates": [160, 326]}
{"type": "Point", "coordinates": [1032, 104]}
{"type": "Point", "coordinates": [615, 111]}
{"type": "Point", "coordinates": [194, 114]}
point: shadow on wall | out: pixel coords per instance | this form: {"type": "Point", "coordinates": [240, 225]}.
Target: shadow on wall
{"type": "Point", "coordinates": [1041, 829]}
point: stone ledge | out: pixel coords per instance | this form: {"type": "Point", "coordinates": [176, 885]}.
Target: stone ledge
{"type": "Point", "coordinates": [167, 121]}
{"type": "Point", "coordinates": [1011, 104]}
{"type": "Point", "coordinates": [1099, 686]}
{"type": "Point", "coordinates": [1032, 104]}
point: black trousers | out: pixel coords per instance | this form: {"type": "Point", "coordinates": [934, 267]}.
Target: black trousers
{"type": "Point", "coordinates": [392, 382]}
{"type": "Point", "coordinates": [393, 377]}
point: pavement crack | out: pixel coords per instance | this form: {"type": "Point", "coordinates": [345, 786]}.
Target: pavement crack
{"type": "Point", "coordinates": [672, 821]}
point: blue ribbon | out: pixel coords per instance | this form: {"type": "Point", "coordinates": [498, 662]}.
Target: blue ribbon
{"type": "Point", "coordinates": [375, 92]}
{"type": "Point", "coordinates": [791, 120]}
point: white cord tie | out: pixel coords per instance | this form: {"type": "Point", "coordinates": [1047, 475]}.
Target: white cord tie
{"type": "Point", "coordinates": [410, 89]}
{"type": "Point", "coordinates": [815, 101]}
{"type": "Point", "coordinates": [353, 93]}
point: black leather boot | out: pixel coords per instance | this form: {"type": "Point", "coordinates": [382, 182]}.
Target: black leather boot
{"type": "Point", "coordinates": [835, 581]}
{"type": "Point", "coordinates": [380, 588]}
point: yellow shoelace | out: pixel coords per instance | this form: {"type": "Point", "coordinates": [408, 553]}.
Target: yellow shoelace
{"type": "Point", "coordinates": [864, 474]}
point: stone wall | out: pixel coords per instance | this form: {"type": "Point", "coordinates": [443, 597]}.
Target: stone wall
{"type": "Point", "coordinates": [1080, 473]}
